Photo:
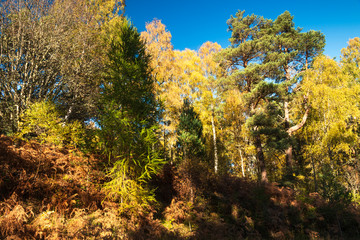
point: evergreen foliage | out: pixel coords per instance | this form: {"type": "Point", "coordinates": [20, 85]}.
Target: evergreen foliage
{"type": "Point", "coordinates": [266, 60]}
{"type": "Point", "coordinates": [190, 139]}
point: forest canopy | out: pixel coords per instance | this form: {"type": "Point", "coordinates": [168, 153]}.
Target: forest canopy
{"type": "Point", "coordinates": [270, 107]}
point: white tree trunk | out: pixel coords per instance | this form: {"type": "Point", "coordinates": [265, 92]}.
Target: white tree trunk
{"type": "Point", "coordinates": [242, 163]}
{"type": "Point", "coordinates": [216, 161]}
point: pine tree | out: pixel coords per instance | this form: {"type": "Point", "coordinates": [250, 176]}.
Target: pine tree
{"type": "Point", "coordinates": [244, 58]}
{"type": "Point", "coordinates": [289, 54]}
{"type": "Point", "coordinates": [189, 132]}
{"type": "Point", "coordinates": [266, 60]}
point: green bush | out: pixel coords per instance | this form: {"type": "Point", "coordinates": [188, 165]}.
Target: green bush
{"type": "Point", "coordinates": [331, 189]}
{"type": "Point", "coordinates": [42, 122]}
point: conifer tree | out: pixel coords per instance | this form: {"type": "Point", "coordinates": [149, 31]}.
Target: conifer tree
{"type": "Point", "coordinates": [266, 60]}
{"type": "Point", "coordinates": [127, 79]}
{"type": "Point", "coordinates": [290, 53]}
{"type": "Point", "coordinates": [243, 58]}
{"type": "Point", "coordinates": [128, 115]}
{"type": "Point", "coordinates": [189, 132]}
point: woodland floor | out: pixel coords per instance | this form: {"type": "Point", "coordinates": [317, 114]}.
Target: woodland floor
{"type": "Point", "coordinates": [52, 193]}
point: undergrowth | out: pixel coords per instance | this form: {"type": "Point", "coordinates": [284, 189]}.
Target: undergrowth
{"type": "Point", "coordinates": [57, 193]}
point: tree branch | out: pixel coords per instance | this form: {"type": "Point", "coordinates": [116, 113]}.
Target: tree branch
{"type": "Point", "coordinates": [293, 129]}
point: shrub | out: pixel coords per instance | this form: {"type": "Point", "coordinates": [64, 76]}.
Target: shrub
{"type": "Point", "coordinates": [42, 121]}
{"type": "Point", "coordinates": [331, 189]}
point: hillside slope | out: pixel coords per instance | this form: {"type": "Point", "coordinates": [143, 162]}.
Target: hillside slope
{"type": "Point", "coordinates": [52, 193]}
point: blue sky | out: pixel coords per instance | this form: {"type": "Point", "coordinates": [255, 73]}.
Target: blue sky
{"type": "Point", "coordinates": [193, 22]}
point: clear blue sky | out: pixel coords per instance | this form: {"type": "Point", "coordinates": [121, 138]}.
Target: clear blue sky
{"type": "Point", "coordinates": [193, 22]}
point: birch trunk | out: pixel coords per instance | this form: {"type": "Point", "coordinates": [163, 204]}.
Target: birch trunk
{"type": "Point", "coordinates": [242, 163]}
{"type": "Point", "coordinates": [216, 161]}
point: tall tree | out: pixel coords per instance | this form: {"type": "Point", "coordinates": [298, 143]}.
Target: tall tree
{"type": "Point", "coordinates": [128, 115]}
{"type": "Point", "coordinates": [290, 53]}
{"type": "Point", "coordinates": [235, 133]}
{"type": "Point", "coordinates": [81, 55]}
{"type": "Point", "coordinates": [210, 101]}
{"type": "Point", "coordinates": [185, 82]}
{"type": "Point", "coordinates": [267, 58]}
{"type": "Point", "coordinates": [158, 44]}
{"type": "Point", "coordinates": [29, 66]}
{"type": "Point", "coordinates": [51, 50]}
{"type": "Point", "coordinates": [244, 60]}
